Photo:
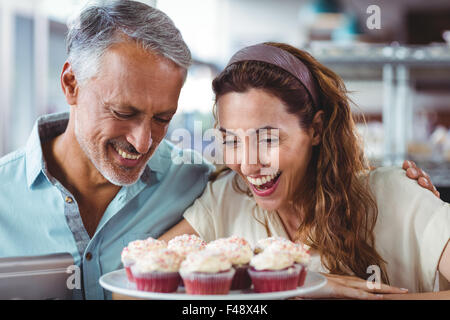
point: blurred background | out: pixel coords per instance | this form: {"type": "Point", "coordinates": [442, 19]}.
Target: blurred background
{"type": "Point", "coordinates": [394, 57]}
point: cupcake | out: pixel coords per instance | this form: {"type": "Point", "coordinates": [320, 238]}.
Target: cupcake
{"type": "Point", "coordinates": [137, 248]}
{"type": "Point", "coordinates": [273, 270]}
{"type": "Point", "coordinates": [299, 254]}
{"type": "Point", "coordinates": [207, 272]}
{"type": "Point", "coordinates": [239, 252]}
{"type": "Point", "coordinates": [157, 271]}
{"type": "Point", "coordinates": [237, 240]}
{"type": "Point", "coordinates": [185, 244]}
{"type": "Point", "coordinates": [264, 243]}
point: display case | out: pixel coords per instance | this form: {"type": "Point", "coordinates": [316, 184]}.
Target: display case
{"type": "Point", "coordinates": [400, 74]}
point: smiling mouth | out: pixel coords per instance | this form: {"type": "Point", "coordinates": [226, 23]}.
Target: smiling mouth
{"type": "Point", "coordinates": [264, 183]}
{"type": "Point", "coordinates": [126, 155]}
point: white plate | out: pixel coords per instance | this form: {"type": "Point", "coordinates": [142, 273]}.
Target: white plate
{"type": "Point", "coordinates": [117, 282]}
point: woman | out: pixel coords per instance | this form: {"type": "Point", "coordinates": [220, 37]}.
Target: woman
{"type": "Point", "coordinates": [320, 191]}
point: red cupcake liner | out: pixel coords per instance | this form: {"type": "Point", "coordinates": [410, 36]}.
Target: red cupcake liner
{"type": "Point", "coordinates": [241, 279]}
{"type": "Point", "coordinates": [208, 283]}
{"type": "Point", "coordinates": [158, 281]}
{"type": "Point", "coordinates": [274, 280]}
{"type": "Point", "coordinates": [129, 274]}
{"type": "Point", "coordinates": [302, 275]}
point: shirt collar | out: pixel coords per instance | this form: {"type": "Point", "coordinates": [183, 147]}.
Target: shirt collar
{"type": "Point", "coordinates": [161, 159]}
{"type": "Point", "coordinates": [47, 127]}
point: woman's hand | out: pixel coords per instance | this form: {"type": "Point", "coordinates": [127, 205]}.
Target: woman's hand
{"type": "Point", "coordinates": [413, 172]}
{"type": "Point", "coordinates": [349, 287]}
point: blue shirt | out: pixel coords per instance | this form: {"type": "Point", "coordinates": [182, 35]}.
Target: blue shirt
{"type": "Point", "coordinates": [39, 216]}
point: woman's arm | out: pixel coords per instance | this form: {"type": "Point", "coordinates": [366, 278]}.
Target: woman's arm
{"type": "Point", "coordinates": [441, 295]}
{"type": "Point", "coordinates": [444, 262]}
{"type": "Point", "coordinates": [444, 269]}
{"type": "Point", "coordinates": [182, 227]}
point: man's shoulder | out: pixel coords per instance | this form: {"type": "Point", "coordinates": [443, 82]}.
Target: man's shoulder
{"type": "Point", "coordinates": [12, 157]}
{"type": "Point", "coordinates": [12, 166]}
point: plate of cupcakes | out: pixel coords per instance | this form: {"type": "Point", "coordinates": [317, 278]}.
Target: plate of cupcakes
{"type": "Point", "coordinates": [188, 268]}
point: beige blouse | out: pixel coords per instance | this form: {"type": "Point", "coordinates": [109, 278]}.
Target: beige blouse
{"type": "Point", "coordinates": [412, 229]}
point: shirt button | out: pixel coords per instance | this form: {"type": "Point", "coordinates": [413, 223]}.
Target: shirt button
{"type": "Point", "coordinates": [88, 256]}
{"type": "Point", "coordinates": [69, 199]}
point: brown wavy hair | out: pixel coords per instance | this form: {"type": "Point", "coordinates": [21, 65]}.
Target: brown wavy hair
{"type": "Point", "coordinates": [339, 210]}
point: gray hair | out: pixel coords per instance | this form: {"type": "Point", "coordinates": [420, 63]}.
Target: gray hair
{"type": "Point", "coordinates": [101, 25]}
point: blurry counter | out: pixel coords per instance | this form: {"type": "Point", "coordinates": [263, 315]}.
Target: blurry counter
{"type": "Point", "coordinates": [395, 63]}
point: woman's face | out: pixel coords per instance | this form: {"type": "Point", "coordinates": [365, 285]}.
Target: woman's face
{"type": "Point", "coordinates": [264, 144]}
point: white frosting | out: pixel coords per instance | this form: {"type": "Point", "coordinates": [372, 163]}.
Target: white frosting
{"type": "Point", "coordinates": [237, 240]}
{"type": "Point", "coordinates": [137, 248]}
{"type": "Point", "coordinates": [271, 259]}
{"type": "Point", "coordinates": [186, 243]}
{"type": "Point", "coordinates": [264, 243]}
{"type": "Point", "coordinates": [147, 244]}
{"type": "Point", "coordinates": [236, 250]}
{"type": "Point", "coordinates": [164, 260]}
{"type": "Point", "coordinates": [297, 251]}
{"type": "Point", "coordinates": [129, 257]}
{"type": "Point", "coordinates": [208, 261]}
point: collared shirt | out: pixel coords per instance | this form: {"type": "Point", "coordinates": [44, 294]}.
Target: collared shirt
{"type": "Point", "coordinates": [40, 216]}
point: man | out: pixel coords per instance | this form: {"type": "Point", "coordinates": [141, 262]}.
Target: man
{"type": "Point", "coordinates": [91, 180]}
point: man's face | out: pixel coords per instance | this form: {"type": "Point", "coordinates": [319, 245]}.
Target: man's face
{"type": "Point", "coordinates": [123, 113]}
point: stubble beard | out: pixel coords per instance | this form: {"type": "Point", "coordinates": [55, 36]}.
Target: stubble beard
{"type": "Point", "coordinates": [103, 165]}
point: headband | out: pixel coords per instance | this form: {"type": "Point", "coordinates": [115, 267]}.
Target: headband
{"type": "Point", "coordinates": [282, 59]}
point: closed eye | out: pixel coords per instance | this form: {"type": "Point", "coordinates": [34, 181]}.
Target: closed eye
{"type": "Point", "coordinates": [269, 140]}
{"type": "Point", "coordinates": [123, 115]}
{"type": "Point", "coordinates": [230, 142]}
{"type": "Point", "coordinates": [162, 120]}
